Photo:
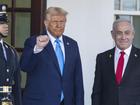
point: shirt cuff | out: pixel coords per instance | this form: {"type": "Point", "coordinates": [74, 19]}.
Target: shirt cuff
{"type": "Point", "coordinates": [37, 50]}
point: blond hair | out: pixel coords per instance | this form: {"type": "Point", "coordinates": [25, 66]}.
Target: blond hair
{"type": "Point", "coordinates": [51, 11]}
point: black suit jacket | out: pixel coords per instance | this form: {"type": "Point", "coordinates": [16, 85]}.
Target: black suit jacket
{"type": "Point", "coordinates": [105, 89]}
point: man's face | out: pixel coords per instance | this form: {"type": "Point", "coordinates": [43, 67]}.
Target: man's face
{"type": "Point", "coordinates": [123, 35]}
{"type": "Point", "coordinates": [4, 29]}
{"type": "Point", "coordinates": [56, 25]}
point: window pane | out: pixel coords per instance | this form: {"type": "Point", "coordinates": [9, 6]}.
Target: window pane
{"type": "Point", "coordinates": [117, 4]}
{"type": "Point", "coordinates": [8, 39]}
{"type": "Point", "coordinates": [23, 3]}
{"type": "Point", "coordinates": [23, 79]}
{"type": "Point", "coordinates": [123, 17]}
{"type": "Point", "coordinates": [22, 28]}
{"type": "Point", "coordinates": [136, 22]}
{"type": "Point", "coordinates": [8, 2]}
{"type": "Point", "coordinates": [138, 4]}
{"type": "Point", "coordinates": [129, 5]}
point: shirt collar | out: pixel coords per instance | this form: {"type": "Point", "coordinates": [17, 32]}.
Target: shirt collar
{"type": "Point", "coordinates": [1, 41]}
{"type": "Point", "coordinates": [127, 51]}
{"type": "Point", "coordinates": [52, 38]}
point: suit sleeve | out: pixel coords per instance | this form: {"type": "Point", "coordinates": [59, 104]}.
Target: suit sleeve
{"type": "Point", "coordinates": [17, 88]}
{"type": "Point", "coordinates": [17, 80]}
{"type": "Point", "coordinates": [28, 58]}
{"type": "Point", "coordinates": [97, 87]}
{"type": "Point", "coordinates": [79, 81]}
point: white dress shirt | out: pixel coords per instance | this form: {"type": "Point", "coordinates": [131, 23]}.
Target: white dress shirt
{"type": "Point", "coordinates": [126, 57]}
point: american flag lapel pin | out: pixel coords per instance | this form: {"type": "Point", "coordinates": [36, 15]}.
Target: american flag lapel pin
{"type": "Point", "coordinates": [110, 56]}
{"type": "Point", "coordinates": [136, 55]}
{"type": "Point", "coordinates": [68, 43]}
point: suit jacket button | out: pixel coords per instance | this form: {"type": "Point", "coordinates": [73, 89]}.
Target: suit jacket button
{"type": "Point", "coordinates": [7, 79]}
{"type": "Point", "coordinates": [7, 70]}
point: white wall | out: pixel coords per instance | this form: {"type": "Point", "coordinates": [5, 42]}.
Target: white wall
{"type": "Point", "coordinates": [89, 22]}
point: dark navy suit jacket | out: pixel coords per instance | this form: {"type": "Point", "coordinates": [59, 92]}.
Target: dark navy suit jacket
{"type": "Point", "coordinates": [105, 89]}
{"type": "Point", "coordinates": [9, 70]}
{"type": "Point", "coordinates": [44, 81]}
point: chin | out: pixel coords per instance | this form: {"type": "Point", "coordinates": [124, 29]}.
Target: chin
{"type": "Point", "coordinates": [58, 35]}
{"type": "Point", "coordinates": [123, 47]}
{"type": "Point", "coordinates": [4, 36]}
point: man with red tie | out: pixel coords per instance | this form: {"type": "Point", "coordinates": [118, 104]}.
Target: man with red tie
{"type": "Point", "coordinates": [117, 74]}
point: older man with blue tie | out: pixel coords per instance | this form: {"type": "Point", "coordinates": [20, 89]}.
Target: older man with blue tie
{"type": "Point", "coordinates": [53, 66]}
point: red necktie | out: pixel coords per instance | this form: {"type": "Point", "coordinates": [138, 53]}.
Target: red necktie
{"type": "Point", "coordinates": [120, 68]}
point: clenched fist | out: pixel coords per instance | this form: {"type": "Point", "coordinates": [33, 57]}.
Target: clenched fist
{"type": "Point", "coordinates": [42, 41]}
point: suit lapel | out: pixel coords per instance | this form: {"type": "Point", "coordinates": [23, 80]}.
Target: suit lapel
{"type": "Point", "coordinates": [1, 53]}
{"type": "Point", "coordinates": [110, 57]}
{"type": "Point", "coordinates": [7, 52]}
{"type": "Point", "coordinates": [67, 49]}
{"type": "Point", "coordinates": [131, 63]}
{"type": "Point", "coordinates": [52, 55]}
{"type": "Point", "coordinates": [51, 52]}
{"type": "Point", "coordinates": [67, 52]}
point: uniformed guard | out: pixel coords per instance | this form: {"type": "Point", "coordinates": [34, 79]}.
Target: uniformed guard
{"type": "Point", "coordinates": [10, 91]}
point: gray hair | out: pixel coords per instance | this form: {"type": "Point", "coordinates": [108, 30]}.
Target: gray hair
{"type": "Point", "coordinates": [55, 11]}
{"type": "Point", "coordinates": [122, 20]}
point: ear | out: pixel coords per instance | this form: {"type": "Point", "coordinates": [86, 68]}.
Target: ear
{"type": "Point", "coordinates": [133, 34]}
{"type": "Point", "coordinates": [111, 31]}
{"type": "Point", "coordinates": [46, 23]}
{"type": "Point", "coordinates": [113, 34]}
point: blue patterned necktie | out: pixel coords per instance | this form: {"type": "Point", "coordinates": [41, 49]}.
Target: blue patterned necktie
{"type": "Point", "coordinates": [60, 59]}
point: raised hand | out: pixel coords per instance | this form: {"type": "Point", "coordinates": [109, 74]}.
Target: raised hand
{"type": "Point", "coordinates": [42, 41]}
